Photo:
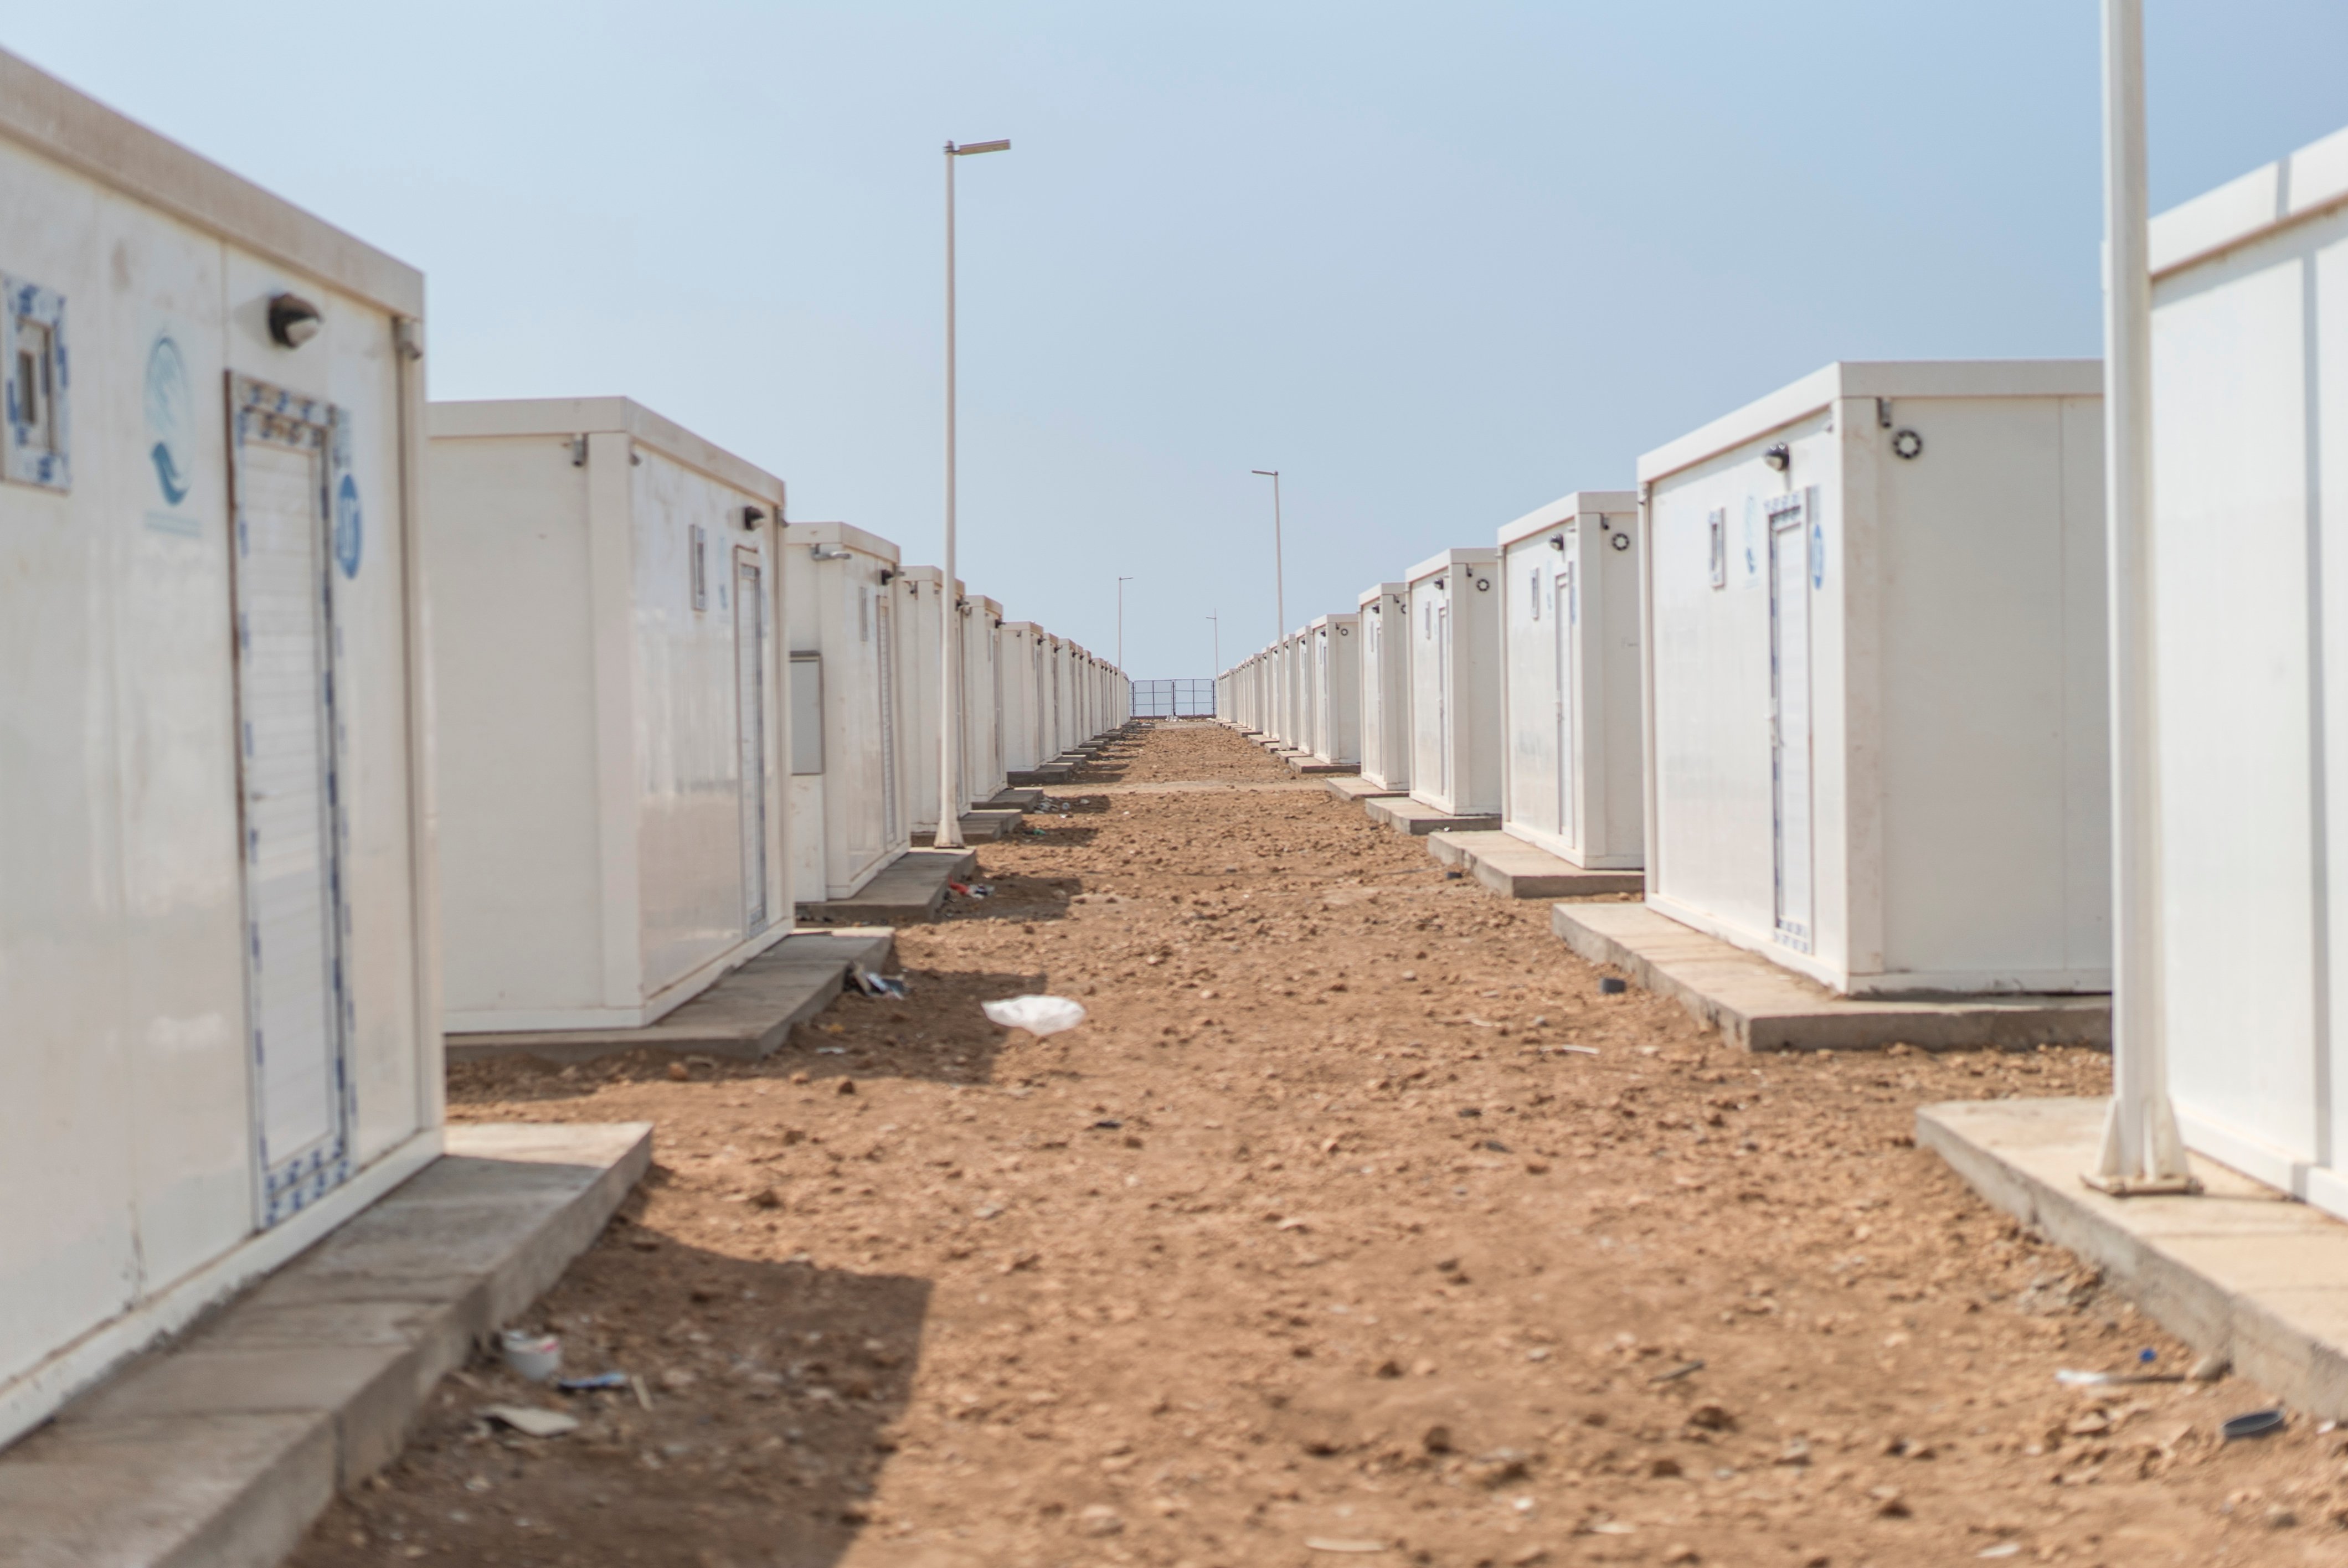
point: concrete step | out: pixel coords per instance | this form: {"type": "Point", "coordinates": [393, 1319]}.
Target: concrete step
{"type": "Point", "coordinates": [1757, 1006]}
{"type": "Point", "coordinates": [1416, 818]}
{"type": "Point", "coordinates": [1354, 787]}
{"type": "Point", "coordinates": [1016, 799]}
{"type": "Point", "coordinates": [981, 825]}
{"type": "Point", "coordinates": [908, 891]}
{"type": "Point", "coordinates": [2237, 1270]}
{"type": "Point", "coordinates": [219, 1451]}
{"type": "Point", "coordinates": [748, 1013]}
{"type": "Point", "coordinates": [1048, 774]}
{"type": "Point", "coordinates": [1306, 763]}
{"type": "Point", "coordinates": [1515, 869]}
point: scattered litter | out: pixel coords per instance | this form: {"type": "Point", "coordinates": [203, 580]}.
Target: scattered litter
{"type": "Point", "coordinates": [971, 889]}
{"type": "Point", "coordinates": [1575, 1050]}
{"type": "Point", "coordinates": [1326, 1543]}
{"type": "Point", "coordinates": [2072, 1379]}
{"type": "Point", "coordinates": [644, 1395]}
{"type": "Point", "coordinates": [2003, 1548]}
{"type": "Point", "coordinates": [1107, 1124]}
{"type": "Point", "coordinates": [2211, 1368]}
{"type": "Point", "coordinates": [1038, 1015]}
{"type": "Point", "coordinates": [832, 1051]}
{"type": "Point", "coordinates": [588, 1385]}
{"type": "Point", "coordinates": [2257, 1424]}
{"type": "Point", "coordinates": [1676, 1373]}
{"type": "Point", "coordinates": [1611, 986]}
{"type": "Point", "coordinates": [536, 1357]}
{"type": "Point", "coordinates": [531, 1421]}
{"type": "Point", "coordinates": [893, 987]}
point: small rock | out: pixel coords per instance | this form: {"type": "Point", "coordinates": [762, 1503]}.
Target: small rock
{"type": "Point", "coordinates": [1888, 1503]}
{"type": "Point", "coordinates": [1663, 1465]}
{"type": "Point", "coordinates": [679, 1071]}
{"type": "Point", "coordinates": [1389, 1369]}
{"type": "Point", "coordinates": [848, 1086]}
{"type": "Point", "coordinates": [2211, 1368]}
{"type": "Point", "coordinates": [1437, 1441]}
{"type": "Point", "coordinates": [1712, 1418]}
{"type": "Point", "coordinates": [766, 1198]}
{"type": "Point", "coordinates": [1100, 1520]}
{"type": "Point", "coordinates": [2280, 1517]}
{"type": "Point", "coordinates": [1680, 1554]}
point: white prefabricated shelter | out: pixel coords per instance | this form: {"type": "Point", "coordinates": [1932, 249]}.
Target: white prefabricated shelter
{"type": "Point", "coordinates": [1384, 621]}
{"type": "Point", "coordinates": [611, 754]}
{"type": "Point", "coordinates": [1337, 689]}
{"type": "Point", "coordinates": [1571, 768]}
{"type": "Point", "coordinates": [1022, 710]}
{"type": "Point", "coordinates": [217, 929]}
{"type": "Point", "coordinates": [982, 710]}
{"type": "Point", "coordinates": [840, 620]}
{"type": "Point", "coordinates": [1296, 687]}
{"type": "Point", "coordinates": [1874, 626]}
{"type": "Point", "coordinates": [2250, 548]}
{"type": "Point", "coordinates": [918, 594]}
{"type": "Point", "coordinates": [1454, 681]}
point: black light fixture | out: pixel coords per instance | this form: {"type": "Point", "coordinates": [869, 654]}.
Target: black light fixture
{"type": "Point", "coordinates": [1779, 457]}
{"type": "Point", "coordinates": [751, 518]}
{"type": "Point", "coordinates": [293, 319]}
{"type": "Point", "coordinates": [1557, 541]}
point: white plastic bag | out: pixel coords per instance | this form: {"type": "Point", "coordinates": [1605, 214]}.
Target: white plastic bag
{"type": "Point", "coordinates": [1039, 1016]}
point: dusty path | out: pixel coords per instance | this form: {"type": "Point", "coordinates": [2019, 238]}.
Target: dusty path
{"type": "Point", "coordinates": [1326, 1237]}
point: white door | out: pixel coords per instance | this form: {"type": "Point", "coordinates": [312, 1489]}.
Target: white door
{"type": "Point", "coordinates": [297, 1014]}
{"type": "Point", "coordinates": [1443, 701]}
{"type": "Point", "coordinates": [1563, 626]}
{"type": "Point", "coordinates": [1789, 716]}
{"type": "Point", "coordinates": [887, 614]}
{"type": "Point", "coordinates": [750, 728]}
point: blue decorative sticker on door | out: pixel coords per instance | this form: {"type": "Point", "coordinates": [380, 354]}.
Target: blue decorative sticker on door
{"type": "Point", "coordinates": [350, 530]}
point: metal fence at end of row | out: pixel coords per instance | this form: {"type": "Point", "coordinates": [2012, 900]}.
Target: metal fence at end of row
{"type": "Point", "coordinates": [1174, 699]}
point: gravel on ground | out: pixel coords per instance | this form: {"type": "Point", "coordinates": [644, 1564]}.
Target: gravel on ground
{"type": "Point", "coordinates": [1355, 1223]}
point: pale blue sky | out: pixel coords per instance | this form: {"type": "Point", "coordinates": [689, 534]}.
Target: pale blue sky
{"type": "Point", "coordinates": [1439, 264]}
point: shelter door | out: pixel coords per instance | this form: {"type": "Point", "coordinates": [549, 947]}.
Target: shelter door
{"type": "Point", "coordinates": [1562, 624]}
{"type": "Point", "coordinates": [885, 629]}
{"type": "Point", "coordinates": [284, 455]}
{"type": "Point", "coordinates": [1789, 718]}
{"type": "Point", "coordinates": [750, 727]}
{"type": "Point", "coordinates": [1443, 701]}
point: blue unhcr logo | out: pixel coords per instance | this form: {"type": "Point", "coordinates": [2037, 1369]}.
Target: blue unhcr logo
{"type": "Point", "coordinates": [170, 418]}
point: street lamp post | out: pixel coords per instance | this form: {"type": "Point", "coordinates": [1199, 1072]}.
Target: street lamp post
{"type": "Point", "coordinates": [949, 835]}
{"type": "Point", "coordinates": [1279, 565]}
{"type": "Point", "coordinates": [1120, 621]}
{"type": "Point", "coordinates": [2142, 1152]}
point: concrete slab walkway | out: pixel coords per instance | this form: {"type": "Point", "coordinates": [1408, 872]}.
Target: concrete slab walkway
{"type": "Point", "coordinates": [908, 891]}
{"type": "Point", "coordinates": [1757, 1006]}
{"type": "Point", "coordinates": [1515, 869]}
{"type": "Point", "coordinates": [2240, 1269]}
{"type": "Point", "coordinates": [1417, 819]}
{"type": "Point", "coordinates": [218, 1451]}
{"type": "Point", "coordinates": [1354, 787]}
{"type": "Point", "coordinates": [748, 1013]}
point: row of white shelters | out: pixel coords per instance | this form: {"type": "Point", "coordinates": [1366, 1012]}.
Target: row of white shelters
{"type": "Point", "coordinates": [1838, 685]}
{"type": "Point", "coordinates": [217, 920]}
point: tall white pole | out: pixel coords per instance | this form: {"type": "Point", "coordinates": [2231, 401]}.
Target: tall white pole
{"type": "Point", "coordinates": [1278, 560]}
{"type": "Point", "coordinates": [2141, 1149]}
{"type": "Point", "coordinates": [949, 836]}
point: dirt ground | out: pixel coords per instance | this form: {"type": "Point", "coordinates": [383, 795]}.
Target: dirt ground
{"type": "Point", "coordinates": [1355, 1222]}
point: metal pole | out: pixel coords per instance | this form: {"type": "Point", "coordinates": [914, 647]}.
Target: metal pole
{"type": "Point", "coordinates": [1120, 621]}
{"type": "Point", "coordinates": [949, 835]}
{"type": "Point", "coordinates": [1279, 562]}
{"type": "Point", "coordinates": [2141, 1149]}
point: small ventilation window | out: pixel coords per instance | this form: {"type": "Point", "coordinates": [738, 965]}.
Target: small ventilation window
{"type": "Point", "coordinates": [697, 563]}
{"type": "Point", "coordinates": [1537, 594]}
{"type": "Point", "coordinates": [36, 371]}
{"type": "Point", "coordinates": [1720, 548]}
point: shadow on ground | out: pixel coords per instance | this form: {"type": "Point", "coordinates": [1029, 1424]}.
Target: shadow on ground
{"type": "Point", "coordinates": [770, 1391]}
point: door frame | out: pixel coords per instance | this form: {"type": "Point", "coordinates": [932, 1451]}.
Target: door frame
{"type": "Point", "coordinates": [260, 410]}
